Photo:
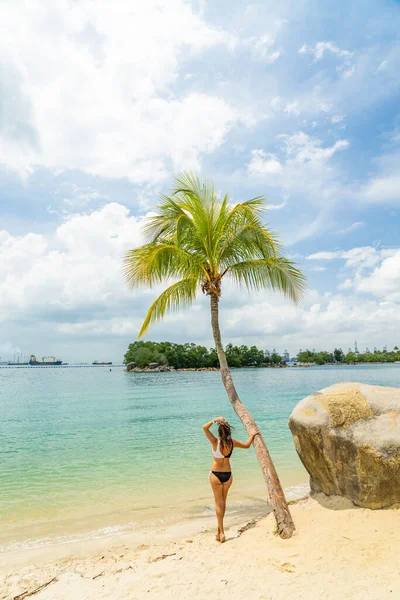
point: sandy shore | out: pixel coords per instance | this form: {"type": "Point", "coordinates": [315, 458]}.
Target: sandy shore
{"type": "Point", "coordinates": [339, 551]}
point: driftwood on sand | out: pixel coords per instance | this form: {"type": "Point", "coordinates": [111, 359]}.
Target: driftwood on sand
{"type": "Point", "coordinates": [35, 591]}
{"type": "Point", "coordinates": [162, 557]}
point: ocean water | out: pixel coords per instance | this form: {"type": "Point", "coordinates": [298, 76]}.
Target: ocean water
{"type": "Point", "coordinates": [87, 452]}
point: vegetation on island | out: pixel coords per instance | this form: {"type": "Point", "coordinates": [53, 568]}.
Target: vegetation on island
{"type": "Point", "coordinates": [338, 356]}
{"type": "Point", "coordinates": [192, 356]}
{"type": "Point", "coordinates": [198, 239]}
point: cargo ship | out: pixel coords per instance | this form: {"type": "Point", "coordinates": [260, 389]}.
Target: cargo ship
{"type": "Point", "coordinates": [97, 362]}
{"type": "Point", "coordinates": [49, 361]}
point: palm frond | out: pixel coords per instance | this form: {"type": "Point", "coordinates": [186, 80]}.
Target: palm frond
{"type": "Point", "coordinates": [276, 273]}
{"type": "Point", "coordinates": [163, 223]}
{"type": "Point", "coordinates": [179, 294]}
{"type": "Point", "coordinates": [152, 263]}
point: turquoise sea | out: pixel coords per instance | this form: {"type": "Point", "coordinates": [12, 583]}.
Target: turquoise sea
{"type": "Point", "coordinates": [89, 452]}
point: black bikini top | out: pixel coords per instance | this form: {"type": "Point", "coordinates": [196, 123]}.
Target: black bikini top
{"type": "Point", "coordinates": [230, 453]}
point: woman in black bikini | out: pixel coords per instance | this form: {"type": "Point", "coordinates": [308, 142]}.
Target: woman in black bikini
{"type": "Point", "coordinates": [220, 475]}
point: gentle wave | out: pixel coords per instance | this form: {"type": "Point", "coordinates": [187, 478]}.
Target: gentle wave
{"type": "Point", "coordinates": [293, 492]}
{"type": "Point", "coordinates": [68, 539]}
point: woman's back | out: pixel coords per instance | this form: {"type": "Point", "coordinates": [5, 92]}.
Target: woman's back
{"type": "Point", "coordinates": [219, 452]}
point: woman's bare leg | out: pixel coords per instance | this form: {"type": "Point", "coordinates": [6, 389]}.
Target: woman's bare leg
{"type": "Point", "coordinates": [226, 486]}
{"type": "Point", "coordinates": [220, 494]}
{"type": "Point", "coordinates": [218, 490]}
{"type": "Point", "coordinates": [225, 491]}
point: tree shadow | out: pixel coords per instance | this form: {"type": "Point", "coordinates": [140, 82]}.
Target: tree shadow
{"type": "Point", "coordinates": [333, 502]}
{"type": "Point", "coordinates": [342, 503]}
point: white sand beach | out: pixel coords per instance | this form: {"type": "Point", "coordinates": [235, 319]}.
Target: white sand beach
{"type": "Point", "coordinates": [338, 551]}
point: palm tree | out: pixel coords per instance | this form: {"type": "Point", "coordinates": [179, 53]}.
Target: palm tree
{"type": "Point", "coordinates": [198, 240]}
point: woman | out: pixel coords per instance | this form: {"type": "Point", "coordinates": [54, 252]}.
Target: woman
{"type": "Point", "coordinates": [220, 475]}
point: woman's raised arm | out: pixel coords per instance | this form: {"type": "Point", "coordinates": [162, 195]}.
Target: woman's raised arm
{"type": "Point", "coordinates": [206, 428]}
{"type": "Point", "coordinates": [237, 444]}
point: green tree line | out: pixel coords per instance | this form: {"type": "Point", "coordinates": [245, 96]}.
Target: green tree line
{"type": "Point", "coordinates": [193, 356]}
{"type": "Point", "coordinates": [338, 356]}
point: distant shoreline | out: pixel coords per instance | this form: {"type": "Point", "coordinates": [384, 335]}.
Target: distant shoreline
{"type": "Point", "coordinates": [166, 369]}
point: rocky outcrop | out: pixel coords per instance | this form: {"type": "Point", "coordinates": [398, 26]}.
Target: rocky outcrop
{"type": "Point", "coordinates": [199, 369]}
{"type": "Point", "coordinates": [150, 369]}
{"type": "Point", "coordinates": [163, 368]}
{"type": "Point", "coordinates": [348, 438]}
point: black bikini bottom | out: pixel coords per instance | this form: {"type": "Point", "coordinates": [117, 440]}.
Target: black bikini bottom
{"type": "Point", "coordinates": [223, 476]}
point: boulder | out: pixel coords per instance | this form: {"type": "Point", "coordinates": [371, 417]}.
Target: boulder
{"type": "Point", "coordinates": [154, 365]}
{"type": "Point", "coordinates": [348, 438]}
{"type": "Point", "coordinates": [130, 366]}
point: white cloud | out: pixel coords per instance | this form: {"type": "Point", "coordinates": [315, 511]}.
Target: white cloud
{"type": "Point", "coordinates": [299, 149]}
{"type": "Point", "coordinates": [383, 186]}
{"type": "Point", "coordinates": [325, 255]}
{"type": "Point", "coordinates": [351, 228]}
{"type": "Point", "coordinates": [70, 198]}
{"type": "Point", "coordinates": [337, 119]}
{"type": "Point", "coordinates": [341, 319]}
{"type": "Point", "coordinates": [320, 49]}
{"type": "Point", "coordinates": [266, 321]}
{"type": "Point", "coordinates": [302, 148]}
{"type": "Point", "coordinates": [262, 48]}
{"type": "Point", "coordinates": [302, 169]}
{"type": "Point", "coordinates": [89, 89]}
{"type": "Point", "coordinates": [74, 271]}
{"type": "Point", "coordinates": [385, 189]}
{"type": "Point", "coordinates": [347, 284]}
{"type": "Point", "coordinates": [292, 108]}
{"type": "Point", "coordinates": [346, 70]}
{"type": "Point", "coordinates": [373, 270]}
{"type": "Point", "coordinates": [308, 104]}
{"type": "Point", "coordinates": [276, 103]}
{"type": "Point", "coordinates": [263, 163]}
{"type": "Point", "coordinates": [277, 206]}
{"type": "Point", "coordinates": [384, 282]}
{"type": "Point", "coordinates": [318, 269]}
{"type": "Point", "coordinates": [383, 66]}
{"type": "Point", "coordinates": [325, 107]}
{"type": "Point", "coordinates": [364, 256]}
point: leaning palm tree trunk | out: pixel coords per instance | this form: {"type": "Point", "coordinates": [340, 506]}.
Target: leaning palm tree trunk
{"type": "Point", "coordinates": [277, 497]}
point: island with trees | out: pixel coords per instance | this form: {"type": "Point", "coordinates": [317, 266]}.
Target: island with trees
{"type": "Point", "coordinates": [338, 356]}
{"type": "Point", "coordinates": [193, 356]}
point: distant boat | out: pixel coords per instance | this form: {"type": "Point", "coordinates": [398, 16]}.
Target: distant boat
{"type": "Point", "coordinates": [99, 362]}
{"type": "Point", "coordinates": [50, 361]}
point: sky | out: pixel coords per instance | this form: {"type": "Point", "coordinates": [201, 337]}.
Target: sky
{"type": "Point", "coordinates": [102, 103]}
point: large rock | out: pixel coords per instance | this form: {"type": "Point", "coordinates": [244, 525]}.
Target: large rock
{"type": "Point", "coordinates": [348, 438]}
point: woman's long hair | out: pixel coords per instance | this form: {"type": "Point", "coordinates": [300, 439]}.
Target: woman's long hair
{"type": "Point", "coordinates": [225, 435]}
